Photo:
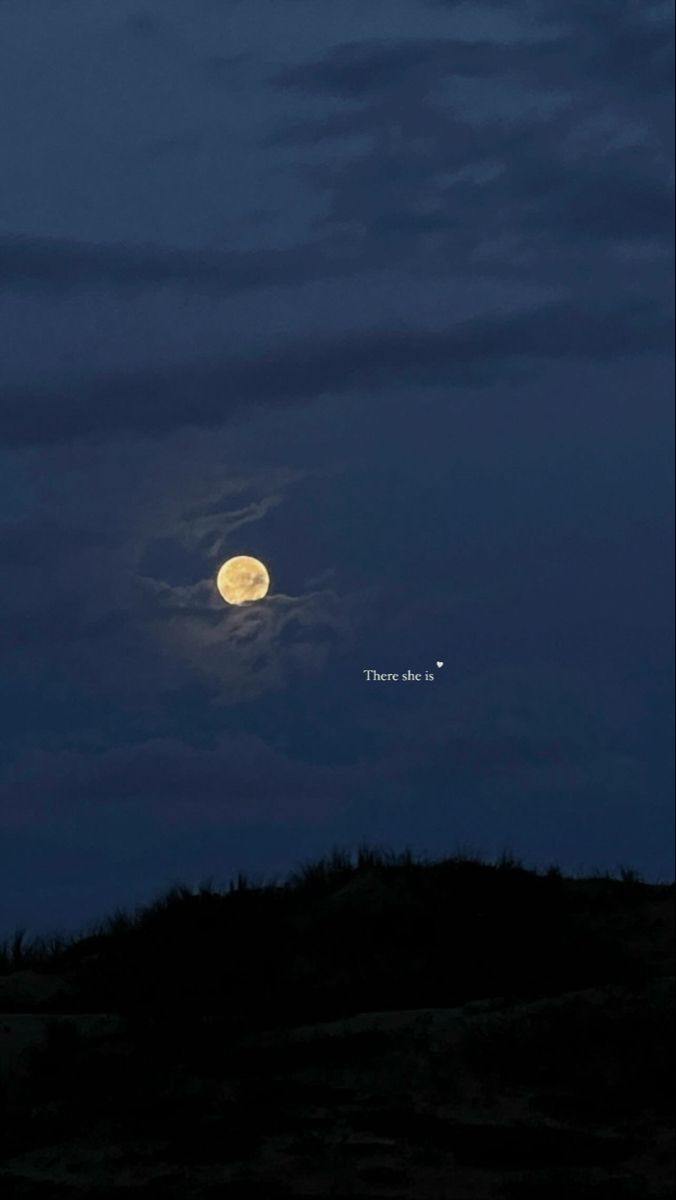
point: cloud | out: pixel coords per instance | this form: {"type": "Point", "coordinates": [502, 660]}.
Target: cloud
{"type": "Point", "coordinates": [60, 265]}
{"type": "Point", "coordinates": [249, 650]}
{"type": "Point", "coordinates": [511, 724]}
{"type": "Point", "coordinates": [594, 45]}
{"type": "Point", "coordinates": [627, 41]}
{"type": "Point", "coordinates": [211, 530]}
{"type": "Point", "coordinates": [238, 778]}
{"type": "Point", "coordinates": [552, 148]}
{"type": "Point", "coordinates": [518, 159]}
{"type": "Point", "coordinates": [613, 206]}
{"type": "Point", "coordinates": [376, 68]}
{"type": "Point", "coordinates": [208, 395]}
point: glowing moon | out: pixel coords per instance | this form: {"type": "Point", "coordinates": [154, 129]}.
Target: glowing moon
{"type": "Point", "coordinates": [241, 579]}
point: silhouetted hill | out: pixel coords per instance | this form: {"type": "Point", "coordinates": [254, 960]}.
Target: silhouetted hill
{"type": "Point", "coordinates": [378, 1026]}
{"type": "Point", "coordinates": [344, 936]}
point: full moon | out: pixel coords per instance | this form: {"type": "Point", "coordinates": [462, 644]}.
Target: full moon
{"type": "Point", "coordinates": [241, 579]}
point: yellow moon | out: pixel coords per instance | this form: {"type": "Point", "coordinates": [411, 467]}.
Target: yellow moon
{"type": "Point", "coordinates": [241, 579]}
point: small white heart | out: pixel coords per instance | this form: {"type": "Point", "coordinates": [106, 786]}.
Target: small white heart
{"type": "Point", "coordinates": [440, 664]}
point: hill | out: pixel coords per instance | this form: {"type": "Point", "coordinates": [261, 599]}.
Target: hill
{"type": "Point", "coordinates": [376, 1026]}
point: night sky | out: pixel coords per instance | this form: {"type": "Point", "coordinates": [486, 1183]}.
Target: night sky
{"type": "Point", "coordinates": [378, 291]}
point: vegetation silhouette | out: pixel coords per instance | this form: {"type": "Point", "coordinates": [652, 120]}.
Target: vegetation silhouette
{"type": "Point", "coordinates": [354, 932]}
{"type": "Point", "coordinates": [370, 1026]}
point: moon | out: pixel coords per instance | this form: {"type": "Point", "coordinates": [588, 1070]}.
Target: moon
{"type": "Point", "coordinates": [242, 579]}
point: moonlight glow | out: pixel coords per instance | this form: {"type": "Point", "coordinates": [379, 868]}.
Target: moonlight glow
{"type": "Point", "coordinates": [241, 579]}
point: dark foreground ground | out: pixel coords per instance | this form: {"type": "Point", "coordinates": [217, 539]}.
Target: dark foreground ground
{"type": "Point", "coordinates": [446, 1031]}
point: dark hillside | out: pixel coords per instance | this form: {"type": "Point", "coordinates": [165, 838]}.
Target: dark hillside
{"type": "Point", "coordinates": [343, 937]}
{"type": "Point", "coordinates": [376, 1027]}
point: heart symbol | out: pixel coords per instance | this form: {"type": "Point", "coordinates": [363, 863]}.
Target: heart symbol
{"type": "Point", "coordinates": [440, 664]}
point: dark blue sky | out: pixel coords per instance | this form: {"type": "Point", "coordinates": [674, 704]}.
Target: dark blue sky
{"type": "Point", "coordinates": [378, 291]}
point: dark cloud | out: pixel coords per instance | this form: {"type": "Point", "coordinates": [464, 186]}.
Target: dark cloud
{"type": "Point", "coordinates": [231, 779]}
{"type": "Point", "coordinates": [495, 727]}
{"type": "Point", "coordinates": [377, 69]}
{"type": "Point", "coordinates": [553, 146]}
{"type": "Point", "coordinates": [628, 41]}
{"type": "Point", "coordinates": [593, 45]}
{"type": "Point", "coordinates": [469, 353]}
{"type": "Point", "coordinates": [614, 206]}
{"type": "Point", "coordinates": [65, 265]}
